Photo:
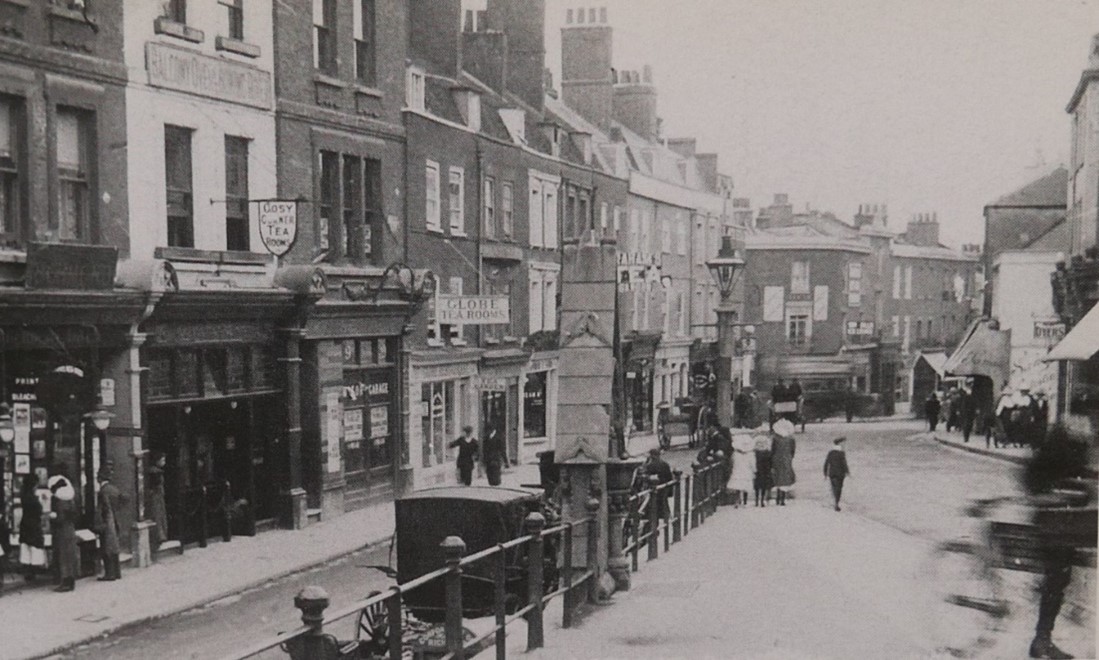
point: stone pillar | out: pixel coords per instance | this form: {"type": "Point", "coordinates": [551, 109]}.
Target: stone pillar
{"type": "Point", "coordinates": [140, 532]}
{"type": "Point", "coordinates": [296, 515]}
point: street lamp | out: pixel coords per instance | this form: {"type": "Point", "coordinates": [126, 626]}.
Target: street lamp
{"type": "Point", "coordinates": [723, 268]}
{"type": "Point", "coordinates": [7, 428]}
{"type": "Point", "coordinates": [100, 419]}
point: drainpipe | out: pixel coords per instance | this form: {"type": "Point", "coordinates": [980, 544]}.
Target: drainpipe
{"type": "Point", "coordinates": [141, 544]}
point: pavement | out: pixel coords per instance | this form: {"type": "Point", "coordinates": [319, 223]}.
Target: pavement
{"type": "Point", "coordinates": [38, 622]}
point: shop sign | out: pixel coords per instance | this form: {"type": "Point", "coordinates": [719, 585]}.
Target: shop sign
{"type": "Point", "coordinates": [69, 266]}
{"type": "Point", "coordinates": [278, 225]}
{"type": "Point", "coordinates": [356, 391]}
{"type": "Point", "coordinates": [473, 310]}
{"type": "Point", "coordinates": [213, 77]}
{"type": "Point", "coordinates": [107, 392]}
{"type": "Point", "coordinates": [860, 327]}
{"type": "Point", "coordinates": [1052, 331]}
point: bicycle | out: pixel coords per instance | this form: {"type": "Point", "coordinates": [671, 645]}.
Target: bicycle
{"type": "Point", "coordinates": [987, 580]}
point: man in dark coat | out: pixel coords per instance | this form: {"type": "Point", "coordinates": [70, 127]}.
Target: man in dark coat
{"type": "Point", "coordinates": [108, 503]}
{"type": "Point", "coordinates": [741, 406]}
{"type": "Point", "coordinates": [931, 408]}
{"type": "Point", "coordinates": [966, 412]}
{"type": "Point", "coordinates": [835, 468]}
{"type": "Point", "coordinates": [493, 456]}
{"type": "Point", "coordinates": [658, 472]}
{"type": "Point", "coordinates": [468, 449]}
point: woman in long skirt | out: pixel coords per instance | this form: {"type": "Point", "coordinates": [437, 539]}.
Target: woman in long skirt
{"type": "Point", "coordinates": [782, 459]}
{"type": "Point", "coordinates": [32, 542]}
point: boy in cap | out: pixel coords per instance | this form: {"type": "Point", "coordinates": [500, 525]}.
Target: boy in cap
{"type": "Point", "coordinates": [835, 468]}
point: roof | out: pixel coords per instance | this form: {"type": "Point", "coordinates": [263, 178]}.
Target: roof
{"type": "Point", "coordinates": [801, 237]}
{"type": "Point", "coordinates": [1088, 76]}
{"type": "Point", "coordinates": [909, 251]}
{"type": "Point", "coordinates": [477, 493]}
{"type": "Point", "coordinates": [936, 360]}
{"type": "Point", "coordinates": [1050, 190]}
{"type": "Point", "coordinates": [1082, 342]}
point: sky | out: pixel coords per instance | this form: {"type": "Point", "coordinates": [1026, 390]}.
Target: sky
{"type": "Point", "coordinates": [927, 106]}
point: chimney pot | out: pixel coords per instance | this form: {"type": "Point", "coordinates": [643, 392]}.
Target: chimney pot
{"type": "Point", "coordinates": [603, 15]}
{"type": "Point", "coordinates": [647, 74]}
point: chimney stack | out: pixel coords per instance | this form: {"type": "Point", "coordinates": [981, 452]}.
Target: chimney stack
{"type": "Point", "coordinates": [587, 78]}
{"type": "Point", "coordinates": [923, 230]}
{"type": "Point", "coordinates": [635, 105]}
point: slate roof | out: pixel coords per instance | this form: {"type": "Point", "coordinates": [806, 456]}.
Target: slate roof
{"type": "Point", "coordinates": [1050, 190]}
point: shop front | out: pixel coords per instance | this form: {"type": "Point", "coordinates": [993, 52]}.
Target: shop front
{"type": "Point", "coordinates": [539, 409]}
{"type": "Point", "coordinates": [639, 352]}
{"type": "Point", "coordinates": [445, 393]}
{"type": "Point", "coordinates": [216, 392]}
{"type": "Point", "coordinates": [502, 373]}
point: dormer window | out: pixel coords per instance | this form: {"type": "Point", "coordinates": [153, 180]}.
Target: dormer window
{"type": "Point", "coordinates": [469, 106]}
{"type": "Point", "coordinates": [415, 89]}
{"type": "Point", "coordinates": [516, 122]}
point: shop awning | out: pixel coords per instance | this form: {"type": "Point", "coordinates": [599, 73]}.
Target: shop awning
{"type": "Point", "coordinates": [936, 360]}
{"type": "Point", "coordinates": [1082, 342]}
{"type": "Point", "coordinates": [984, 351]}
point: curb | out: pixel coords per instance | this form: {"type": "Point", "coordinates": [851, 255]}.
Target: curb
{"type": "Point", "coordinates": [206, 600]}
{"type": "Point", "coordinates": [1017, 460]}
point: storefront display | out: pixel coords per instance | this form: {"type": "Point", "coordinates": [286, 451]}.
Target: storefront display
{"type": "Point", "coordinates": [534, 405]}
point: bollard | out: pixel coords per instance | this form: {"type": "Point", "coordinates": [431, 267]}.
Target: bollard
{"type": "Point", "coordinates": [203, 519]}
{"type": "Point", "coordinates": [227, 513]}
{"type": "Point", "coordinates": [677, 510]}
{"type": "Point", "coordinates": [566, 577]}
{"type": "Point", "coordinates": [654, 518]}
{"type": "Point", "coordinates": [315, 644]}
{"type": "Point", "coordinates": [453, 549]}
{"type": "Point", "coordinates": [535, 523]}
{"type": "Point", "coordinates": [499, 584]}
{"type": "Point", "coordinates": [593, 549]}
{"type": "Point", "coordinates": [635, 523]}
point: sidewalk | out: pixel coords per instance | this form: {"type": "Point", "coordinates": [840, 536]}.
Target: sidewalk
{"type": "Point", "coordinates": [39, 622]}
{"type": "Point", "coordinates": [976, 445]}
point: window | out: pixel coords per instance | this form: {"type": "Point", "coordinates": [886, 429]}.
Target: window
{"type": "Point", "coordinates": [617, 218]}
{"type": "Point", "coordinates": [365, 39]}
{"type": "Point", "coordinates": [456, 198]}
{"type": "Point", "coordinates": [234, 17]}
{"type": "Point", "coordinates": [896, 323]}
{"type": "Point", "coordinates": [536, 302]}
{"type": "Point", "coordinates": [799, 277]}
{"type": "Point", "coordinates": [74, 189]}
{"type": "Point", "coordinates": [441, 418]}
{"type": "Point", "coordinates": [534, 405]}
{"type": "Point", "coordinates": [549, 302]}
{"type": "Point", "coordinates": [854, 284]}
{"type": "Point", "coordinates": [507, 208]}
{"type": "Point", "coordinates": [919, 329]}
{"type": "Point", "coordinates": [535, 212]}
{"type": "Point", "coordinates": [11, 131]}
{"type": "Point", "coordinates": [543, 299]}
{"type": "Point", "coordinates": [351, 206]}
{"type": "Point", "coordinates": [329, 196]}
{"type": "Point", "coordinates": [666, 236]}
{"type": "Point", "coordinates": [415, 89]}
{"type": "Point", "coordinates": [431, 194]}
{"type": "Point", "coordinates": [584, 217]}
{"type": "Point", "coordinates": [681, 312]}
{"type": "Point", "coordinates": [603, 219]}
{"type": "Point", "coordinates": [324, 36]}
{"type": "Point", "coordinates": [236, 193]}
{"type": "Point", "coordinates": [498, 283]}
{"type": "Point", "coordinates": [897, 282]}
{"type": "Point", "coordinates": [633, 240]}
{"type": "Point", "coordinates": [455, 287]}
{"type": "Point", "coordinates": [488, 197]}
{"type": "Point", "coordinates": [907, 335]}
{"type": "Point", "coordinates": [773, 301]}
{"type": "Point", "coordinates": [180, 194]}
{"type": "Point", "coordinates": [549, 214]}
{"type": "Point", "coordinates": [176, 10]}
{"type": "Point", "coordinates": [572, 225]}
{"type": "Point", "coordinates": [797, 329]}
{"type": "Point", "coordinates": [543, 212]}
{"type": "Point", "coordinates": [908, 282]}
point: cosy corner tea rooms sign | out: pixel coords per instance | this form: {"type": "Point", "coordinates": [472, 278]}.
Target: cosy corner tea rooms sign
{"type": "Point", "coordinates": [473, 310]}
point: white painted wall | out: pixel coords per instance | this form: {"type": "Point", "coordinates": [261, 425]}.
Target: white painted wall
{"type": "Point", "coordinates": [148, 109]}
{"type": "Point", "coordinates": [1022, 295]}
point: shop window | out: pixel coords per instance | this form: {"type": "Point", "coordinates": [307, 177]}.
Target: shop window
{"type": "Point", "coordinates": [262, 369]}
{"type": "Point", "coordinates": [534, 405]}
{"type": "Point", "coordinates": [160, 374]}
{"type": "Point", "coordinates": [488, 198]}
{"type": "Point", "coordinates": [186, 374]}
{"type": "Point", "coordinates": [11, 140]}
{"type": "Point", "coordinates": [329, 165]}
{"type": "Point", "coordinates": [431, 195]}
{"type": "Point", "coordinates": [236, 377]}
{"type": "Point", "coordinates": [179, 190]}
{"type": "Point", "coordinates": [236, 193]}
{"type": "Point", "coordinates": [441, 416]}
{"type": "Point", "coordinates": [456, 199]}
{"type": "Point", "coordinates": [324, 36]}
{"type": "Point", "coordinates": [507, 208]}
{"type": "Point", "coordinates": [234, 18]}
{"type": "Point", "coordinates": [213, 372]}
{"type": "Point", "coordinates": [365, 40]}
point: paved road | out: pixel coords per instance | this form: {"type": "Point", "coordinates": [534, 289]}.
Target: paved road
{"type": "Point", "coordinates": [911, 484]}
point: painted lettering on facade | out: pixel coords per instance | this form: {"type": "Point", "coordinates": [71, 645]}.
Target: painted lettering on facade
{"type": "Point", "coordinates": [187, 71]}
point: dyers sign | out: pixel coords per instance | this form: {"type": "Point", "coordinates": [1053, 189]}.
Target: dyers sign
{"type": "Point", "coordinates": [278, 225]}
{"type": "Point", "coordinates": [472, 310]}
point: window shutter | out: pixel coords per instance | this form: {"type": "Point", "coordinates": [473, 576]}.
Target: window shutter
{"type": "Point", "coordinates": [773, 303]}
{"type": "Point", "coordinates": [820, 303]}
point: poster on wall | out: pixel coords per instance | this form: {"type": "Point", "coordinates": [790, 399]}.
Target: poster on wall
{"type": "Point", "coordinates": [22, 464]}
{"type": "Point", "coordinates": [353, 424]}
{"type": "Point", "coordinates": [332, 430]}
{"type": "Point", "coordinates": [379, 421]}
{"type": "Point", "coordinates": [21, 418]}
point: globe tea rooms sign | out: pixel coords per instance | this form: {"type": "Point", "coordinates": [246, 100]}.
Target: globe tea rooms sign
{"type": "Point", "coordinates": [473, 310]}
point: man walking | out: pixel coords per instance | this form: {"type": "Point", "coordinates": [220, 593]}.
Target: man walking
{"type": "Point", "coordinates": [966, 411]}
{"type": "Point", "coordinates": [468, 450]}
{"type": "Point", "coordinates": [658, 472]}
{"type": "Point", "coordinates": [493, 457]}
{"type": "Point", "coordinates": [931, 408]}
{"type": "Point", "coordinates": [107, 505]}
{"type": "Point", "coordinates": [835, 468]}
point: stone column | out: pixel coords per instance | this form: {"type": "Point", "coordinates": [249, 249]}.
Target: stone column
{"type": "Point", "coordinates": [296, 514]}
{"type": "Point", "coordinates": [140, 535]}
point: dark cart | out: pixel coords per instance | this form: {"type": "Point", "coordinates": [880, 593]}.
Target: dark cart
{"type": "Point", "coordinates": [483, 516]}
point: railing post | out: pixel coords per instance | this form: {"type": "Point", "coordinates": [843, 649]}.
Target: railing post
{"type": "Point", "coordinates": [687, 499]}
{"type": "Point", "coordinates": [453, 549]}
{"type": "Point", "coordinates": [677, 511]}
{"type": "Point", "coordinates": [696, 509]}
{"type": "Point", "coordinates": [396, 624]}
{"type": "Point", "coordinates": [635, 523]}
{"type": "Point", "coordinates": [203, 518]}
{"type": "Point", "coordinates": [499, 583]}
{"type": "Point", "coordinates": [312, 601]}
{"type": "Point", "coordinates": [654, 518]}
{"type": "Point", "coordinates": [227, 512]}
{"type": "Point", "coordinates": [593, 550]}
{"type": "Point", "coordinates": [566, 577]}
{"type": "Point", "coordinates": [535, 523]}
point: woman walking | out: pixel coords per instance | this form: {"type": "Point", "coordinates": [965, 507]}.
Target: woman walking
{"type": "Point", "coordinates": [763, 482]}
{"type": "Point", "coordinates": [782, 459]}
{"type": "Point", "coordinates": [32, 542]}
{"type": "Point", "coordinates": [744, 468]}
{"type": "Point", "coordinates": [63, 514]}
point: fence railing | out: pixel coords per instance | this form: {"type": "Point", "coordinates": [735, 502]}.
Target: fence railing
{"type": "Point", "coordinates": [665, 513]}
{"type": "Point", "coordinates": [576, 584]}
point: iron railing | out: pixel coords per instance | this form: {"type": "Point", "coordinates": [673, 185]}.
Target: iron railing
{"type": "Point", "coordinates": [669, 516]}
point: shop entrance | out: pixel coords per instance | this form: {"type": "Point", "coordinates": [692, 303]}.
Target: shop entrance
{"type": "Point", "coordinates": [220, 465]}
{"type": "Point", "coordinates": [494, 420]}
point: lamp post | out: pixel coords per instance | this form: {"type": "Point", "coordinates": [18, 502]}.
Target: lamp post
{"type": "Point", "coordinates": [723, 268]}
{"type": "Point", "coordinates": [101, 421]}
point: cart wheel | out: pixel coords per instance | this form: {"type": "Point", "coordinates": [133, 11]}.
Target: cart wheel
{"type": "Point", "coordinates": [373, 628]}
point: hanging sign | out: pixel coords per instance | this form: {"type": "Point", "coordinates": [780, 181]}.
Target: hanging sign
{"type": "Point", "coordinates": [473, 310]}
{"type": "Point", "coordinates": [278, 225]}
